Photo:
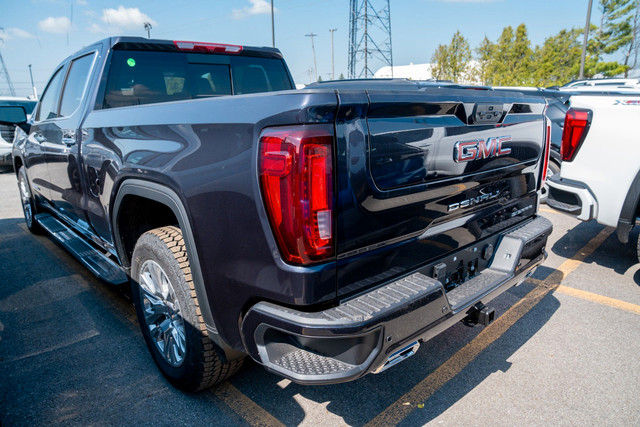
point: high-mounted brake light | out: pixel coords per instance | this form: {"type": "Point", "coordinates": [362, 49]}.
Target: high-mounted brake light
{"type": "Point", "coordinates": [295, 167]}
{"type": "Point", "coordinates": [208, 47]}
{"type": "Point", "coordinates": [576, 127]}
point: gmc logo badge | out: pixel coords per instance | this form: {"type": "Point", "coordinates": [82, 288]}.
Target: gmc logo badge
{"type": "Point", "coordinates": [466, 151]}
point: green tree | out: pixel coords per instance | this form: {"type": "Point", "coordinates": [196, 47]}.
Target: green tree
{"type": "Point", "coordinates": [632, 49]}
{"type": "Point", "coordinates": [485, 52]}
{"type": "Point", "coordinates": [512, 62]}
{"type": "Point", "coordinates": [341, 77]}
{"type": "Point", "coordinates": [451, 61]}
{"type": "Point", "coordinates": [615, 33]}
{"type": "Point", "coordinates": [557, 61]}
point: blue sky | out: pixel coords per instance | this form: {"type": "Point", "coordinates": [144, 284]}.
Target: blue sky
{"type": "Point", "coordinates": [44, 32]}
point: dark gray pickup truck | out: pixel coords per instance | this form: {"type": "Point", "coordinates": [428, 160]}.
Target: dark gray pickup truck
{"type": "Point", "coordinates": [325, 232]}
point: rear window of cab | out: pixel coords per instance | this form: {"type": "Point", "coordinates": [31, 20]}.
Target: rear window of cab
{"type": "Point", "coordinates": [148, 77]}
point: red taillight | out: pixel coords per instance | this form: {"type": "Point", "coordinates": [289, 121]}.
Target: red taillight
{"type": "Point", "coordinates": [208, 47]}
{"type": "Point", "coordinates": [547, 147]}
{"type": "Point", "coordinates": [576, 126]}
{"type": "Point", "coordinates": [295, 167]}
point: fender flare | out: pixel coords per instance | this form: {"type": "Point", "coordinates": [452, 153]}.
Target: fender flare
{"type": "Point", "coordinates": [627, 218]}
{"type": "Point", "coordinates": [166, 196]}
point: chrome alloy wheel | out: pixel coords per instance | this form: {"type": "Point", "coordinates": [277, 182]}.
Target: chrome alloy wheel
{"type": "Point", "coordinates": [162, 313]}
{"type": "Point", "coordinates": [25, 198]}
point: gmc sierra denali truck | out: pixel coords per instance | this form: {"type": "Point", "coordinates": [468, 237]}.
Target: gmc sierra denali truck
{"type": "Point", "coordinates": [600, 175]}
{"type": "Point", "coordinates": [325, 232]}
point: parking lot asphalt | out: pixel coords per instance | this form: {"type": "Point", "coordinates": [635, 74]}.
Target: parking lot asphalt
{"type": "Point", "coordinates": [563, 351]}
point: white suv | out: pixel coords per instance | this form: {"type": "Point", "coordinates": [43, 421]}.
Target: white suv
{"type": "Point", "coordinates": [613, 85]}
{"type": "Point", "coordinates": [6, 132]}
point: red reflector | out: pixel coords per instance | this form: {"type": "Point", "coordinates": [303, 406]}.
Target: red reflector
{"type": "Point", "coordinates": [576, 126]}
{"type": "Point", "coordinates": [547, 146]}
{"type": "Point", "coordinates": [296, 180]}
{"type": "Point", "coordinates": [208, 47]}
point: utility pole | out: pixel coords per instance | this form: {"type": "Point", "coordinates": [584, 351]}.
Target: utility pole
{"type": "Point", "coordinates": [273, 31]}
{"type": "Point", "coordinates": [333, 74]}
{"type": "Point", "coordinates": [4, 73]}
{"type": "Point", "coordinates": [313, 48]}
{"type": "Point", "coordinates": [586, 39]}
{"type": "Point", "coordinates": [148, 27]}
{"type": "Point", "coordinates": [33, 87]}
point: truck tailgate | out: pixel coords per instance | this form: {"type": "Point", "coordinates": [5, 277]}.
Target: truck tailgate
{"type": "Point", "coordinates": [422, 174]}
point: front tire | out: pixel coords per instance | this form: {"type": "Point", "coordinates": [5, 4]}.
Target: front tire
{"type": "Point", "coordinates": [27, 201]}
{"type": "Point", "coordinates": [169, 314]}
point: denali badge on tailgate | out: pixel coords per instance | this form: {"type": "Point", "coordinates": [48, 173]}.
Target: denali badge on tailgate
{"type": "Point", "coordinates": [473, 201]}
{"type": "Point", "coordinates": [466, 151]}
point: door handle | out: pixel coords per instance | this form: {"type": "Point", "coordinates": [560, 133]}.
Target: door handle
{"type": "Point", "coordinates": [69, 137]}
{"type": "Point", "coordinates": [40, 138]}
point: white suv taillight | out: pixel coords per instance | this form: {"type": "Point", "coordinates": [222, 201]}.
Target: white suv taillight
{"type": "Point", "coordinates": [295, 168]}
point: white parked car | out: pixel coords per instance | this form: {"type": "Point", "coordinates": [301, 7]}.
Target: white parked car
{"type": "Point", "coordinates": [600, 174]}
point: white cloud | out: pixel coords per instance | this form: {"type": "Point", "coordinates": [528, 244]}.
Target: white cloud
{"type": "Point", "coordinates": [82, 2]}
{"type": "Point", "coordinates": [97, 29]}
{"type": "Point", "coordinates": [59, 25]}
{"type": "Point", "coordinates": [258, 7]}
{"type": "Point", "coordinates": [11, 33]}
{"type": "Point", "coordinates": [126, 18]}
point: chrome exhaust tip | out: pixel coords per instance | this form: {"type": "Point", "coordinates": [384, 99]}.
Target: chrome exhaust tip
{"type": "Point", "coordinates": [397, 357]}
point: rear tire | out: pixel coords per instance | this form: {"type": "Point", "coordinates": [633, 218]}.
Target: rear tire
{"type": "Point", "coordinates": [27, 201]}
{"type": "Point", "coordinates": [169, 313]}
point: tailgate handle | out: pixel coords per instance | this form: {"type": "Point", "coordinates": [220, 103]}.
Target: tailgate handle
{"type": "Point", "coordinates": [486, 112]}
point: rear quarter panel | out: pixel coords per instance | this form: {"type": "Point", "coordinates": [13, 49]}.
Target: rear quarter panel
{"type": "Point", "coordinates": [609, 158]}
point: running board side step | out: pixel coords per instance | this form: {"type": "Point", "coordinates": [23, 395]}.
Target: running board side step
{"type": "Point", "coordinates": [91, 257]}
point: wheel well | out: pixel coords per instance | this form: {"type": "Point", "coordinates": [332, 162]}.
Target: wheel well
{"type": "Point", "coordinates": [138, 215]}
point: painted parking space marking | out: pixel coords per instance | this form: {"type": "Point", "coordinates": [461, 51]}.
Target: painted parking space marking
{"type": "Point", "coordinates": [456, 363]}
{"type": "Point", "coordinates": [599, 299]}
{"type": "Point", "coordinates": [250, 411]}
{"type": "Point", "coordinates": [547, 210]}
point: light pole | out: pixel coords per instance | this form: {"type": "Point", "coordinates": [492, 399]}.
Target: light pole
{"type": "Point", "coordinates": [586, 39]}
{"type": "Point", "coordinates": [333, 74]}
{"type": "Point", "coordinates": [33, 87]}
{"type": "Point", "coordinates": [313, 48]}
{"type": "Point", "coordinates": [273, 31]}
{"type": "Point", "coordinates": [147, 26]}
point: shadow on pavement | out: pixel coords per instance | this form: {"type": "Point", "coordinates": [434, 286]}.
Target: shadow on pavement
{"type": "Point", "coordinates": [360, 401]}
{"type": "Point", "coordinates": [612, 254]}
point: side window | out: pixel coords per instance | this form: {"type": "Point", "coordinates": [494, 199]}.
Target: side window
{"type": "Point", "coordinates": [49, 102]}
{"type": "Point", "coordinates": [75, 85]}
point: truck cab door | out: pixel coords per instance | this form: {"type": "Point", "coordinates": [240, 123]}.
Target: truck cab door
{"type": "Point", "coordinates": [62, 143]}
{"type": "Point", "coordinates": [36, 145]}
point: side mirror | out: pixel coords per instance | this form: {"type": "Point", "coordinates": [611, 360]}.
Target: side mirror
{"type": "Point", "coordinates": [14, 115]}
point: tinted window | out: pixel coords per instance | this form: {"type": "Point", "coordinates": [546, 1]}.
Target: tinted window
{"type": "Point", "coordinates": [252, 75]}
{"type": "Point", "coordinates": [75, 85]}
{"type": "Point", "coordinates": [137, 78]}
{"type": "Point", "coordinates": [49, 102]}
